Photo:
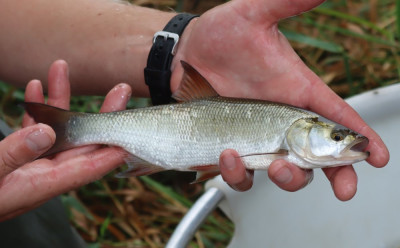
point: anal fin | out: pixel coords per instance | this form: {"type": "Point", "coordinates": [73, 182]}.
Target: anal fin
{"type": "Point", "coordinates": [138, 167]}
{"type": "Point", "coordinates": [205, 172]}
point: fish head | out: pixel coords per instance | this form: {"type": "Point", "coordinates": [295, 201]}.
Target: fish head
{"type": "Point", "coordinates": [324, 144]}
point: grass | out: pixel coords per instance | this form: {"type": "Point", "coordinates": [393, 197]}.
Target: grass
{"type": "Point", "coordinates": [352, 45]}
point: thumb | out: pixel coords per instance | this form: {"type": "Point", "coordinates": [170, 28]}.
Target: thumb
{"type": "Point", "coordinates": [234, 172]}
{"type": "Point", "coordinates": [271, 11]}
{"type": "Point", "coordinates": [24, 146]}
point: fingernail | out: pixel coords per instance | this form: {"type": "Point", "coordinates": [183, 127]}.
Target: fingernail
{"type": "Point", "coordinates": [283, 175]}
{"type": "Point", "coordinates": [229, 162]}
{"type": "Point", "coordinates": [38, 141]}
{"type": "Point", "coordinates": [65, 69]}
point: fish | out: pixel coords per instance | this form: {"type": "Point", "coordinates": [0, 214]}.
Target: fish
{"type": "Point", "coordinates": [191, 134]}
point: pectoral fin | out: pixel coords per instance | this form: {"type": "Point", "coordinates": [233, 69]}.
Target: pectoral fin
{"type": "Point", "coordinates": [280, 153]}
{"type": "Point", "coordinates": [138, 167]}
{"type": "Point", "coordinates": [261, 161]}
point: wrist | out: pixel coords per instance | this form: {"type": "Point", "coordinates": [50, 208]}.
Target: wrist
{"type": "Point", "coordinates": [176, 69]}
{"type": "Point", "coordinates": [139, 43]}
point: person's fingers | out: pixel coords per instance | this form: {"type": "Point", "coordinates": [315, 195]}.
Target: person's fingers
{"type": "Point", "coordinates": [288, 176]}
{"type": "Point", "coordinates": [343, 180]}
{"type": "Point", "coordinates": [325, 102]}
{"type": "Point", "coordinates": [65, 155]}
{"type": "Point", "coordinates": [24, 146]}
{"type": "Point", "coordinates": [233, 171]}
{"type": "Point", "coordinates": [43, 180]}
{"type": "Point", "coordinates": [76, 171]}
{"type": "Point", "coordinates": [117, 98]}
{"type": "Point", "coordinates": [59, 91]}
{"type": "Point", "coordinates": [270, 12]}
{"type": "Point", "coordinates": [33, 93]}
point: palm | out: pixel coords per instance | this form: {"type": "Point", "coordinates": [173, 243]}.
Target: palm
{"type": "Point", "coordinates": [44, 178]}
{"type": "Point", "coordinates": [246, 58]}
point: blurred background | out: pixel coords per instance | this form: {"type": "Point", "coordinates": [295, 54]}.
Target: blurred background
{"type": "Point", "coordinates": [352, 45]}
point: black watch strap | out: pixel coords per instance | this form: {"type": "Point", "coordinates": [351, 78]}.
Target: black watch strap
{"type": "Point", "coordinates": [157, 74]}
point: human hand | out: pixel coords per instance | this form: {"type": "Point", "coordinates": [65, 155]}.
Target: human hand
{"type": "Point", "coordinates": [24, 183]}
{"type": "Point", "coordinates": [239, 49]}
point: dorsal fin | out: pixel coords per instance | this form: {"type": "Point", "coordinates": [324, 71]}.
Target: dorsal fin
{"type": "Point", "coordinates": [193, 85]}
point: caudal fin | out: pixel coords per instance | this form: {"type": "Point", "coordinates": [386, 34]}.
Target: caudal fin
{"type": "Point", "coordinates": [57, 119]}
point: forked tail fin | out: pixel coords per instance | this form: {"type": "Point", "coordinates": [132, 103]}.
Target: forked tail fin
{"type": "Point", "coordinates": [57, 119]}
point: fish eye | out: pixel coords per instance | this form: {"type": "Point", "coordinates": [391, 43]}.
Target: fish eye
{"type": "Point", "coordinates": [337, 137]}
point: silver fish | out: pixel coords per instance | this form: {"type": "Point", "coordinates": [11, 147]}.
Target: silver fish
{"type": "Point", "coordinates": [190, 136]}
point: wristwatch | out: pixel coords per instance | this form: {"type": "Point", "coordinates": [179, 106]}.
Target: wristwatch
{"type": "Point", "coordinates": [157, 74]}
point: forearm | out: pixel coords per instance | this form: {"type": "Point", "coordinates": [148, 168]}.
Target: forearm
{"type": "Point", "coordinates": [104, 42]}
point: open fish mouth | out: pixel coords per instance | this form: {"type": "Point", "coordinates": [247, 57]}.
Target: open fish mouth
{"type": "Point", "coordinates": [359, 144]}
{"type": "Point", "coordinates": [357, 148]}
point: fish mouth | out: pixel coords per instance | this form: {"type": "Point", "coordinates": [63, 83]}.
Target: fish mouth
{"type": "Point", "coordinates": [359, 144]}
{"type": "Point", "coordinates": [357, 148]}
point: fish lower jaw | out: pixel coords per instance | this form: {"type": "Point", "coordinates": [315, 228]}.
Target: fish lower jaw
{"type": "Point", "coordinates": [326, 162]}
{"type": "Point", "coordinates": [333, 162]}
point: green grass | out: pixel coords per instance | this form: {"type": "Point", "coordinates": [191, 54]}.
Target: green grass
{"type": "Point", "coordinates": [351, 45]}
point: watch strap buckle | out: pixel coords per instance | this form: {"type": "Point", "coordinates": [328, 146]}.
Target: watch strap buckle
{"type": "Point", "coordinates": [167, 35]}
